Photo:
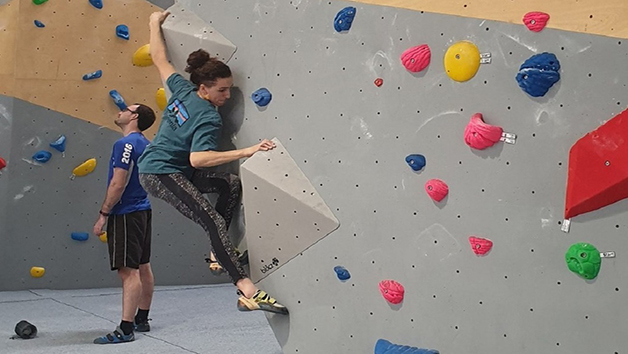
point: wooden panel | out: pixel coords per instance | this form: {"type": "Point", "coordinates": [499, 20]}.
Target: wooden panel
{"type": "Point", "coordinates": [605, 17]}
{"type": "Point", "coordinates": [77, 39]}
{"type": "Point", "coordinates": [8, 23]}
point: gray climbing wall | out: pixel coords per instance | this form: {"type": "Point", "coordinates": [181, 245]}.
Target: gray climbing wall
{"type": "Point", "coordinates": [350, 139]}
{"type": "Point", "coordinates": [6, 121]}
{"type": "Point", "coordinates": [41, 207]}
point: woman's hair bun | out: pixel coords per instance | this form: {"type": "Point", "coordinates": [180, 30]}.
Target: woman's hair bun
{"type": "Point", "coordinates": [196, 60]}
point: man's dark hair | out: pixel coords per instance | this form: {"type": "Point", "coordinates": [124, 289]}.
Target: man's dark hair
{"type": "Point", "coordinates": [145, 116]}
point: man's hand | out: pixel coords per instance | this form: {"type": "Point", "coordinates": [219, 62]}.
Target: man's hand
{"type": "Point", "coordinates": [100, 223]}
{"type": "Point", "coordinates": [264, 145]}
{"type": "Point", "coordinates": [158, 18]}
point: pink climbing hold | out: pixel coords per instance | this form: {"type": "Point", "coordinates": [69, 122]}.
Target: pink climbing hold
{"type": "Point", "coordinates": [479, 245]}
{"type": "Point", "coordinates": [391, 291]}
{"type": "Point", "coordinates": [480, 135]}
{"type": "Point", "coordinates": [436, 189]}
{"type": "Point", "coordinates": [536, 21]}
{"type": "Point", "coordinates": [416, 58]}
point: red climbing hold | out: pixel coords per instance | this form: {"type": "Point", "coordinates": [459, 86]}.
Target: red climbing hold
{"type": "Point", "coordinates": [536, 21]}
{"type": "Point", "coordinates": [479, 245]}
{"type": "Point", "coordinates": [480, 135]}
{"type": "Point", "coordinates": [3, 163]}
{"type": "Point", "coordinates": [436, 189]}
{"type": "Point", "coordinates": [598, 168]}
{"type": "Point", "coordinates": [416, 58]}
{"type": "Point", "coordinates": [392, 291]}
{"type": "Point", "coordinates": [378, 82]}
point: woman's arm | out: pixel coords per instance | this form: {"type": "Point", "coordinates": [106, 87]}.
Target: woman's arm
{"type": "Point", "coordinates": [200, 159]}
{"type": "Point", "coordinates": [158, 46]}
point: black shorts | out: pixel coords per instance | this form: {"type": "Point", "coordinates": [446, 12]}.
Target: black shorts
{"type": "Point", "coordinates": [128, 238]}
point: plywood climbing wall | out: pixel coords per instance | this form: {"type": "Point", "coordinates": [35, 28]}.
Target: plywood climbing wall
{"type": "Point", "coordinates": [45, 66]}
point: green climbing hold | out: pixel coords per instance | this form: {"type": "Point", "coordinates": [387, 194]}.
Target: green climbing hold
{"type": "Point", "coordinates": [39, 2]}
{"type": "Point", "coordinates": [584, 259]}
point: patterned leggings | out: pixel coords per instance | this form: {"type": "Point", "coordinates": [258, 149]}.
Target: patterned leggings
{"type": "Point", "coordinates": [187, 197]}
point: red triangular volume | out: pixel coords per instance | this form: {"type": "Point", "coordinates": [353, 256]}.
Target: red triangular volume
{"type": "Point", "coordinates": [598, 168]}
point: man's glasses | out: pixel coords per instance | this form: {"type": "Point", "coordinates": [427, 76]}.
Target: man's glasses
{"type": "Point", "coordinates": [129, 109]}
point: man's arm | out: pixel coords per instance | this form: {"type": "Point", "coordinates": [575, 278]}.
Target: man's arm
{"type": "Point", "coordinates": [115, 189]}
{"type": "Point", "coordinates": [114, 193]}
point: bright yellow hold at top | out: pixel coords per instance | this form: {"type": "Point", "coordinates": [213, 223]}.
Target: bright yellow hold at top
{"type": "Point", "coordinates": [462, 61]}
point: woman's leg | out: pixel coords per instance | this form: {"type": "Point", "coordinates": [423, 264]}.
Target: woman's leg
{"type": "Point", "coordinates": [226, 185]}
{"type": "Point", "coordinates": [179, 192]}
{"type": "Point", "coordinates": [229, 189]}
{"type": "Point", "coordinates": [189, 201]}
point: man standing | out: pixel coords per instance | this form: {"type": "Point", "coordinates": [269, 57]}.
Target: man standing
{"type": "Point", "coordinates": [127, 213]}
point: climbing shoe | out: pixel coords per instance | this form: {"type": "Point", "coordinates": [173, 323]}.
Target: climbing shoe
{"type": "Point", "coordinates": [214, 267]}
{"type": "Point", "coordinates": [260, 301]}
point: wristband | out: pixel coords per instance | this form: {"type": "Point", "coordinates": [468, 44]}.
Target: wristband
{"type": "Point", "coordinates": [103, 213]}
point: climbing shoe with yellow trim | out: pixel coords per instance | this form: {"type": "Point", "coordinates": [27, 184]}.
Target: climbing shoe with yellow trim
{"type": "Point", "coordinates": [261, 301]}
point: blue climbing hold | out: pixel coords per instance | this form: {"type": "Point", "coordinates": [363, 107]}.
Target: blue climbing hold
{"type": "Point", "coordinates": [118, 100]}
{"type": "Point", "coordinates": [122, 31]}
{"type": "Point", "coordinates": [59, 144]}
{"type": "Point", "coordinates": [344, 19]}
{"type": "Point", "coordinates": [80, 236]}
{"type": "Point", "coordinates": [417, 162]}
{"type": "Point", "coordinates": [385, 347]}
{"type": "Point", "coordinates": [39, 24]}
{"type": "Point", "coordinates": [93, 75]}
{"type": "Point", "coordinates": [96, 3]}
{"type": "Point", "coordinates": [342, 272]}
{"type": "Point", "coordinates": [42, 156]}
{"type": "Point", "coordinates": [262, 97]}
{"type": "Point", "coordinates": [537, 74]}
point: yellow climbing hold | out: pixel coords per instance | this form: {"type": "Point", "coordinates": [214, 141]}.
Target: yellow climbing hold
{"type": "Point", "coordinates": [141, 57]}
{"type": "Point", "coordinates": [462, 61]}
{"type": "Point", "coordinates": [84, 169]}
{"type": "Point", "coordinates": [37, 272]}
{"type": "Point", "coordinates": [160, 97]}
{"type": "Point", "coordinates": [103, 236]}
